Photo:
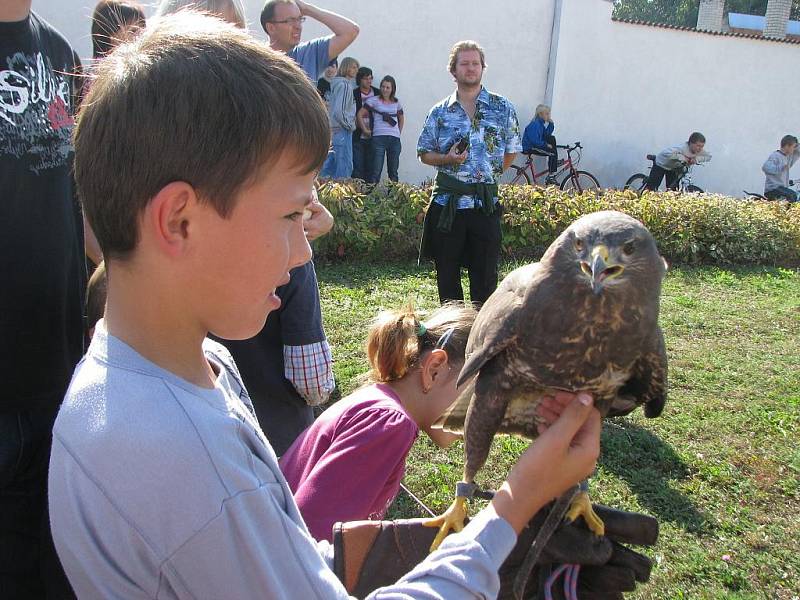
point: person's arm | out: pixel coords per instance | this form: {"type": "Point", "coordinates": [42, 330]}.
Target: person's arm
{"type": "Point", "coordinates": [366, 456]}
{"type": "Point", "coordinates": [310, 369]}
{"type": "Point", "coordinates": [338, 103]}
{"type": "Point", "coordinates": [537, 135]}
{"type": "Point", "coordinates": [508, 159]}
{"type": "Point", "coordinates": [91, 244]}
{"type": "Point", "coordinates": [307, 359]}
{"type": "Point", "coordinates": [772, 166]}
{"type": "Point", "coordinates": [436, 159]}
{"type": "Point", "coordinates": [511, 137]}
{"type": "Point", "coordinates": [344, 30]}
{"type": "Point", "coordinates": [274, 556]}
{"type": "Point", "coordinates": [401, 120]}
{"type": "Point", "coordinates": [362, 120]}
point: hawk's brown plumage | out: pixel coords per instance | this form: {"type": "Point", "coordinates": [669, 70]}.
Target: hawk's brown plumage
{"type": "Point", "coordinates": [584, 318]}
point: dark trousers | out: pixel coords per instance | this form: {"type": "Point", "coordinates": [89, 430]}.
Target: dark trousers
{"type": "Point", "coordinates": [29, 566]}
{"type": "Point", "coordinates": [657, 174]}
{"type": "Point", "coordinates": [552, 154]}
{"type": "Point", "coordinates": [362, 156]}
{"type": "Point", "coordinates": [473, 241]}
{"type": "Point", "coordinates": [782, 193]}
{"type": "Point", "coordinates": [388, 146]}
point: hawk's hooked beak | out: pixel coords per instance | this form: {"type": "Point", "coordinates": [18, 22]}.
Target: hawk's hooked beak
{"type": "Point", "coordinates": [599, 269]}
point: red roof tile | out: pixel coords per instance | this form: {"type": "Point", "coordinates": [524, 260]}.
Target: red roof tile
{"type": "Point", "coordinates": [722, 33]}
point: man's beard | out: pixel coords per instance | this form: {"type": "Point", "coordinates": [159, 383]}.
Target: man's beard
{"type": "Point", "coordinates": [469, 81]}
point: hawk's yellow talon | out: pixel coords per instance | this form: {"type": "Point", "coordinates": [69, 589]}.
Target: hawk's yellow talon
{"type": "Point", "coordinates": [452, 520]}
{"type": "Point", "coordinates": [581, 506]}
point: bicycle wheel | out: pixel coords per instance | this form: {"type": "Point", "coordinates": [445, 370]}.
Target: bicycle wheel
{"type": "Point", "coordinates": [636, 182]}
{"type": "Point", "coordinates": [516, 174]}
{"type": "Point", "coordinates": [693, 189]}
{"type": "Point", "coordinates": [580, 181]}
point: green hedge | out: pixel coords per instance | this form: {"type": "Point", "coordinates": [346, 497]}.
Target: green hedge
{"type": "Point", "coordinates": [386, 222]}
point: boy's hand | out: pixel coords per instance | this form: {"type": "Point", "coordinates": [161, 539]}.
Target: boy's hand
{"type": "Point", "coordinates": [563, 455]}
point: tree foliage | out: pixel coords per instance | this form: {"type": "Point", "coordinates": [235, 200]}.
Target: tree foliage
{"type": "Point", "coordinates": [684, 12]}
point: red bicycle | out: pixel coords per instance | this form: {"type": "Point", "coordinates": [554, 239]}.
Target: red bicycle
{"type": "Point", "coordinates": [574, 179]}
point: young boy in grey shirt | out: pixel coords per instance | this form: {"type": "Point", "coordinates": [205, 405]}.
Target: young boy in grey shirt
{"type": "Point", "coordinates": [196, 153]}
{"type": "Point", "coordinates": [776, 170]}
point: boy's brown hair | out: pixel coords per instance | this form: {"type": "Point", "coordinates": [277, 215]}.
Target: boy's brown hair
{"type": "Point", "coordinates": [196, 100]}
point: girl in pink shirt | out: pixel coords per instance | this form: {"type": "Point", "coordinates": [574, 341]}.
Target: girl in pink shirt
{"type": "Point", "coordinates": [348, 465]}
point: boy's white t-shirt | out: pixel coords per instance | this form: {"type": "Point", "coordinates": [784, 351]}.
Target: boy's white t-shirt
{"type": "Point", "coordinates": [162, 489]}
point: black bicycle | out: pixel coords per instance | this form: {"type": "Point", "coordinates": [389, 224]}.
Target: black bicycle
{"type": "Point", "coordinates": [638, 182]}
{"type": "Point", "coordinates": [762, 196]}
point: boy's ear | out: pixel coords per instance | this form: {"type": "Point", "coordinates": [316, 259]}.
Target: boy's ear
{"type": "Point", "coordinates": [169, 214]}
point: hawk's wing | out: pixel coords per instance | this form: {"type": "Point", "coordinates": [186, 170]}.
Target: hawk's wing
{"type": "Point", "coordinates": [647, 384]}
{"type": "Point", "coordinates": [496, 325]}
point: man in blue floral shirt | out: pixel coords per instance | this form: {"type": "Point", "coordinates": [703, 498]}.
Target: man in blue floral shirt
{"type": "Point", "coordinates": [471, 137]}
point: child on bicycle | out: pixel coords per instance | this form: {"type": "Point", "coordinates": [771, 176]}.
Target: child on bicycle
{"type": "Point", "coordinates": [349, 463]}
{"type": "Point", "coordinates": [538, 138]}
{"type": "Point", "coordinates": [776, 170]}
{"type": "Point", "coordinates": [672, 162]}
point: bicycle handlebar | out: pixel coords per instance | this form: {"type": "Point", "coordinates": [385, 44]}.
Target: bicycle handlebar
{"type": "Point", "coordinates": [568, 147]}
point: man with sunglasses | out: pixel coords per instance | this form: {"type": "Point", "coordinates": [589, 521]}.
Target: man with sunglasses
{"type": "Point", "coordinates": [283, 20]}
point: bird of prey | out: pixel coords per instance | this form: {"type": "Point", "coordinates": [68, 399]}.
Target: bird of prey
{"type": "Point", "coordinates": [583, 318]}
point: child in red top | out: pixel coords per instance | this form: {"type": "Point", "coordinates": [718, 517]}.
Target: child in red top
{"type": "Point", "coordinates": [348, 465]}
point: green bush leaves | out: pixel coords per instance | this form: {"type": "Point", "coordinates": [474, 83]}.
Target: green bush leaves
{"type": "Point", "coordinates": [385, 222]}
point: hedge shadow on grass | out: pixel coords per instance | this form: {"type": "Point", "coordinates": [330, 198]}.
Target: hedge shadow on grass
{"type": "Point", "coordinates": [648, 465]}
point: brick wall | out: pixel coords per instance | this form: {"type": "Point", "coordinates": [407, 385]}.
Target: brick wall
{"type": "Point", "coordinates": [776, 18]}
{"type": "Point", "coordinates": [711, 15]}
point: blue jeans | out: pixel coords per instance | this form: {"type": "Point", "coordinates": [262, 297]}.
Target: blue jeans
{"type": "Point", "coordinates": [390, 146]}
{"type": "Point", "coordinates": [339, 164]}
{"type": "Point", "coordinates": [29, 567]}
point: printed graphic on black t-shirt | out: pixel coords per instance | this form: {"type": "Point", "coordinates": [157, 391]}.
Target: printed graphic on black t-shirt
{"type": "Point", "coordinates": [35, 112]}
{"type": "Point", "coordinates": [41, 240]}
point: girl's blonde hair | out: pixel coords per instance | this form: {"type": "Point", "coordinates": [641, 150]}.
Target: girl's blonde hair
{"type": "Point", "coordinates": [398, 338]}
{"type": "Point", "coordinates": [344, 66]}
{"type": "Point", "coordinates": [213, 7]}
{"type": "Point", "coordinates": [541, 108]}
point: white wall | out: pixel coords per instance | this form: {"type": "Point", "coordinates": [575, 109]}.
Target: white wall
{"type": "Point", "coordinates": [409, 39]}
{"type": "Point", "coordinates": [629, 90]}
{"type": "Point", "coordinates": [623, 90]}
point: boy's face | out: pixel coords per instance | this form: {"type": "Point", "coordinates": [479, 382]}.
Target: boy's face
{"type": "Point", "coordinates": [242, 259]}
{"type": "Point", "coordinates": [697, 147]}
{"type": "Point", "coordinates": [788, 149]}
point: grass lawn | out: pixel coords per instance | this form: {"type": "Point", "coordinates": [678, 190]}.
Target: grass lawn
{"type": "Point", "coordinates": [720, 469]}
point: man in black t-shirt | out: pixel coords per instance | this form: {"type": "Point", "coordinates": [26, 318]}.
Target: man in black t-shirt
{"type": "Point", "coordinates": [43, 269]}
